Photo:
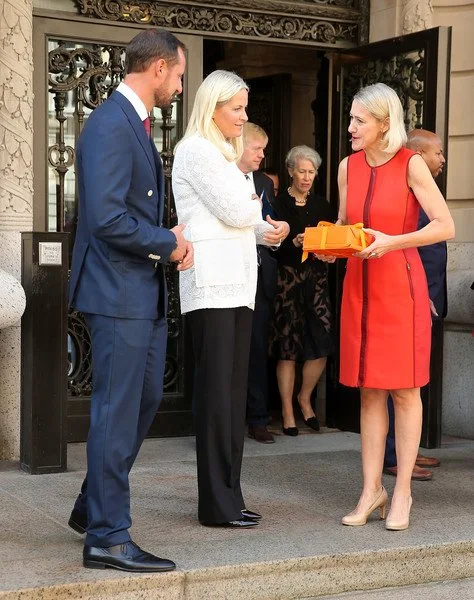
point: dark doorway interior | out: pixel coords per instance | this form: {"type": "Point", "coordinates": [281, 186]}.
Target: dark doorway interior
{"type": "Point", "coordinates": [289, 90]}
{"type": "Point", "coordinates": [289, 95]}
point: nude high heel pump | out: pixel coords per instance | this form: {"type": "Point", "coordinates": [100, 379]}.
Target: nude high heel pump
{"type": "Point", "coordinates": [358, 518]}
{"type": "Point", "coordinates": [394, 525]}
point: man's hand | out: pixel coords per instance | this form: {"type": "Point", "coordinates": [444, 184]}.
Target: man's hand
{"type": "Point", "coordinates": [188, 260]}
{"type": "Point", "coordinates": [181, 243]}
{"type": "Point", "coordinates": [298, 240]}
{"type": "Point", "coordinates": [279, 233]}
{"type": "Point", "coordinates": [433, 309]}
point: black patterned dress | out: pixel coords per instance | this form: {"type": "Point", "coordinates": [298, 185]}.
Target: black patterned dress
{"type": "Point", "coordinates": [301, 324]}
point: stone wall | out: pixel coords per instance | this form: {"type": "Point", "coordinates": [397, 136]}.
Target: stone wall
{"type": "Point", "coordinates": [16, 192]}
{"type": "Point", "coordinates": [458, 373]}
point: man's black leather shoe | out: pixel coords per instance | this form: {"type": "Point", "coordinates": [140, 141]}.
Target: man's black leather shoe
{"type": "Point", "coordinates": [125, 557]}
{"type": "Point", "coordinates": [240, 523]}
{"type": "Point", "coordinates": [249, 514]}
{"type": "Point", "coordinates": [260, 433]}
{"type": "Point", "coordinates": [78, 521]}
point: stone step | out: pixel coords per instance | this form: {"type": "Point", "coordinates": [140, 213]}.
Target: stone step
{"type": "Point", "coordinates": [459, 589]}
{"type": "Point", "coordinates": [308, 577]}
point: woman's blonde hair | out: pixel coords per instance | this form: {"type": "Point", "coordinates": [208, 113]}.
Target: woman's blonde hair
{"type": "Point", "coordinates": [382, 102]}
{"type": "Point", "coordinates": [217, 89]}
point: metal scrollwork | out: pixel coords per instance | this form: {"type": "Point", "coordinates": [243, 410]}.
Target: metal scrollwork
{"type": "Point", "coordinates": [81, 76]}
{"type": "Point", "coordinates": [172, 276]}
{"type": "Point", "coordinates": [337, 23]}
{"type": "Point", "coordinates": [79, 356]}
{"type": "Point", "coordinates": [61, 157]}
{"type": "Point", "coordinates": [86, 71]}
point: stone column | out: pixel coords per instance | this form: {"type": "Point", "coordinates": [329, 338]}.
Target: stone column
{"type": "Point", "coordinates": [416, 15]}
{"type": "Point", "coordinates": [16, 192]}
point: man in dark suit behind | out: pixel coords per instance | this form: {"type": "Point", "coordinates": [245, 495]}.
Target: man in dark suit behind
{"type": "Point", "coordinates": [255, 141]}
{"type": "Point", "coordinates": [434, 259]}
{"type": "Point", "coordinates": [118, 283]}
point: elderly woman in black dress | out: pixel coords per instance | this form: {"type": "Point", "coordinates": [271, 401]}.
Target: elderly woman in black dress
{"type": "Point", "coordinates": [301, 328]}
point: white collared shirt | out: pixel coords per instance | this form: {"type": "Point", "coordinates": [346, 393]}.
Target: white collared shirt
{"type": "Point", "coordinates": [250, 182]}
{"type": "Point", "coordinates": [134, 99]}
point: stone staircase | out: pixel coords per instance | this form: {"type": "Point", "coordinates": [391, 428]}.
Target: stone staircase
{"type": "Point", "coordinates": [302, 486]}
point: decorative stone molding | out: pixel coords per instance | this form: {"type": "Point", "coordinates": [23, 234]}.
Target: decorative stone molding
{"type": "Point", "coordinates": [416, 15]}
{"type": "Point", "coordinates": [16, 115]}
{"type": "Point", "coordinates": [12, 300]}
{"type": "Point", "coordinates": [333, 23]}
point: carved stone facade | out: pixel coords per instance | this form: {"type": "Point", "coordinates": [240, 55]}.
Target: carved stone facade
{"type": "Point", "coordinates": [416, 15]}
{"type": "Point", "coordinates": [16, 196]}
{"type": "Point", "coordinates": [16, 115]}
{"type": "Point", "coordinates": [336, 23]}
{"type": "Point", "coordinates": [12, 300]}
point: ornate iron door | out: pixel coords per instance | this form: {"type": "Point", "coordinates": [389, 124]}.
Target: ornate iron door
{"type": "Point", "coordinates": [82, 71]}
{"type": "Point", "coordinates": [417, 67]}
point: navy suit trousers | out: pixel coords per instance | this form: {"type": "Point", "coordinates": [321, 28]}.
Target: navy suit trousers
{"type": "Point", "coordinates": [128, 366]}
{"type": "Point", "coordinates": [257, 388]}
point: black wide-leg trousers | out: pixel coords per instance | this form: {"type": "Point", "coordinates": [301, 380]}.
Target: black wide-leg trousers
{"type": "Point", "coordinates": [221, 344]}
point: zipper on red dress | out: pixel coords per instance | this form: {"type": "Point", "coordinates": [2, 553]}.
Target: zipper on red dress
{"type": "Point", "coordinates": [412, 294]}
{"type": "Point", "coordinates": [410, 281]}
{"type": "Point", "coordinates": [365, 284]}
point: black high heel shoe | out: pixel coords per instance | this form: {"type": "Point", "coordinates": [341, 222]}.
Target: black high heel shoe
{"type": "Point", "coordinates": [292, 431]}
{"type": "Point", "coordinates": [313, 423]}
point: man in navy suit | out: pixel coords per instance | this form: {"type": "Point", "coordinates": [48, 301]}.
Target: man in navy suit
{"type": "Point", "coordinates": [118, 283]}
{"type": "Point", "coordinates": [255, 141]}
{"type": "Point", "coordinates": [434, 258]}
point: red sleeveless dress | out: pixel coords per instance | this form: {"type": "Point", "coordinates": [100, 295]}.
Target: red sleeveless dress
{"type": "Point", "coordinates": [385, 317]}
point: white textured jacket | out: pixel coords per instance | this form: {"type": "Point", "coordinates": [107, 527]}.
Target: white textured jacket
{"type": "Point", "coordinates": [212, 197]}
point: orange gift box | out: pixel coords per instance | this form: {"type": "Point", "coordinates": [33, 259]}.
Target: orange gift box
{"type": "Point", "coordinates": [341, 241]}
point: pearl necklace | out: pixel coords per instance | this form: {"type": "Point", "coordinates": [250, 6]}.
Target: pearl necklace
{"type": "Point", "coordinates": [298, 201]}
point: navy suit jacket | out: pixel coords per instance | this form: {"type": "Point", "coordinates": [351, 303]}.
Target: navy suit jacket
{"type": "Point", "coordinates": [268, 271]}
{"type": "Point", "coordinates": [121, 187]}
{"type": "Point", "coordinates": [434, 258]}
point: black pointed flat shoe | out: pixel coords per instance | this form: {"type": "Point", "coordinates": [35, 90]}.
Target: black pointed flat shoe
{"type": "Point", "coordinates": [250, 514]}
{"type": "Point", "coordinates": [292, 431]}
{"type": "Point", "coordinates": [313, 423]}
{"type": "Point", "coordinates": [238, 524]}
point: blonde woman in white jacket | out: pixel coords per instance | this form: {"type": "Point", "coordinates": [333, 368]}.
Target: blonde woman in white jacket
{"type": "Point", "coordinates": [224, 222]}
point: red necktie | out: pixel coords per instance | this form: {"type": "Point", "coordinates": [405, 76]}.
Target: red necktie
{"type": "Point", "coordinates": [147, 126]}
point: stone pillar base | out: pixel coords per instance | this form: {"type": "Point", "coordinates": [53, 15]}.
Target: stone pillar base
{"type": "Point", "coordinates": [9, 393]}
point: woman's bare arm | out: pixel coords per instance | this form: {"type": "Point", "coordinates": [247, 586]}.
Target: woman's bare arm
{"type": "Point", "coordinates": [342, 185]}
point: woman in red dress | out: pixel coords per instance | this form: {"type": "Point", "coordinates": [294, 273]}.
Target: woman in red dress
{"type": "Point", "coordinates": [385, 318]}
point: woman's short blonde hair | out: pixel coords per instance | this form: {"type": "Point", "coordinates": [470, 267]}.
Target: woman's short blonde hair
{"type": "Point", "coordinates": [217, 89]}
{"type": "Point", "coordinates": [302, 153]}
{"type": "Point", "coordinates": [382, 102]}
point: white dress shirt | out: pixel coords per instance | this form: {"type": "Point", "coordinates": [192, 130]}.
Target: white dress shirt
{"type": "Point", "coordinates": [250, 182]}
{"type": "Point", "coordinates": [134, 99]}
